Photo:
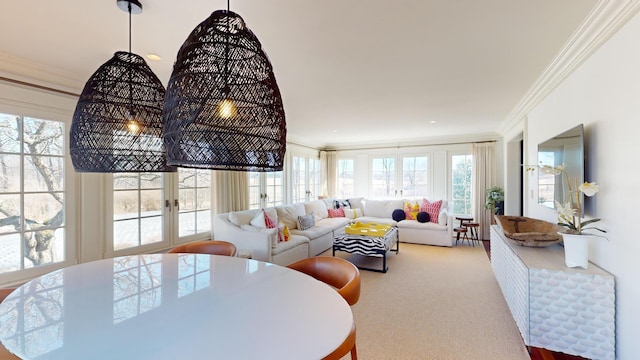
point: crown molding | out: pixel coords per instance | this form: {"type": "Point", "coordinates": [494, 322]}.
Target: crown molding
{"type": "Point", "coordinates": [24, 70]}
{"type": "Point", "coordinates": [604, 20]}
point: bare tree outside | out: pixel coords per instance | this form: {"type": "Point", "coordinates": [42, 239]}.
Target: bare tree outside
{"type": "Point", "coordinates": [31, 192]}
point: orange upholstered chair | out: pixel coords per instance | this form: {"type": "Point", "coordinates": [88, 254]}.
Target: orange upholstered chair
{"type": "Point", "coordinates": [345, 278]}
{"type": "Point", "coordinates": [4, 353]}
{"type": "Point", "coordinates": [213, 247]}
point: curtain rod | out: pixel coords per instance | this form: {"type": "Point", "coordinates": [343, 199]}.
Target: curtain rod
{"type": "Point", "coordinates": [410, 146]}
{"type": "Point", "coordinates": [41, 87]}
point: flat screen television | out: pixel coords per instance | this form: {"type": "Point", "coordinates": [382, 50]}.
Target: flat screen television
{"type": "Point", "coordinates": [565, 149]}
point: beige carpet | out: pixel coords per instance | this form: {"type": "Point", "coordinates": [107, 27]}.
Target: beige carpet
{"type": "Point", "coordinates": [434, 303]}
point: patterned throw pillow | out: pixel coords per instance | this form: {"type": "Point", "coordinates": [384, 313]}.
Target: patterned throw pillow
{"type": "Point", "coordinates": [283, 232]}
{"type": "Point", "coordinates": [337, 204]}
{"type": "Point", "coordinates": [333, 213]}
{"type": "Point", "coordinates": [263, 220]}
{"type": "Point", "coordinates": [433, 208]}
{"type": "Point", "coordinates": [268, 221]}
{"type": "Point", "coordinates": [306, 222]}
{"type": "Point", "coordinates": [411, 210]}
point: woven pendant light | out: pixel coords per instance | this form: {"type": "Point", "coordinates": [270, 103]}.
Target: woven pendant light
{"type": "Point", "coordinates": [223, 108]}
{"type": "Point", "coordinates": [117, 124]}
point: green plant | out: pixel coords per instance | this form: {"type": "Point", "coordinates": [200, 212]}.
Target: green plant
{"type": "Point", "coordinates": [493, 195]}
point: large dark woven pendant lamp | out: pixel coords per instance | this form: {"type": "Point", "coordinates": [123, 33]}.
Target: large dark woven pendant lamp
{"type": "Point", "coordinates": [223, 108]}
{"type": "Point", "coordinates": [117, 124]}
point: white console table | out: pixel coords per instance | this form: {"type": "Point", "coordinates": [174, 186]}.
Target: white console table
{"type": "Point", "coordinates": [555, 307]}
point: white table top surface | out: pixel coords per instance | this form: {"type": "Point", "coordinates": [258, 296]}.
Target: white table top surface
{"type": "Point", "coordinates": [174, 306]}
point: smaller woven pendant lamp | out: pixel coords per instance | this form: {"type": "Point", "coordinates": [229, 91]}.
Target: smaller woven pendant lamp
{"type": "Point", "coordinates": [117, 124]}
{"type": "Point", "coordinates": [223, 108]}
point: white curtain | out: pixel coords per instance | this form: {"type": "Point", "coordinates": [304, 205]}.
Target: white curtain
{"type": "Point", "coordinates": [323, 174]}
{"type": "Point", "coordinates": [484, 177]}
{"type": "Point", "coordinates": [231, 189]}
{"type": "Point", "coordinates": [332, 173]}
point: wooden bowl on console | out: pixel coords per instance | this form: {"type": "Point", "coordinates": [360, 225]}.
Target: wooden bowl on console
{"type": "Point", "coordinates": [525, 231]}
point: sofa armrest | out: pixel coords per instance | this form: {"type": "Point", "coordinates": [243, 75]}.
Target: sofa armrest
{"type": "Point", "coordinates": [256, 242]}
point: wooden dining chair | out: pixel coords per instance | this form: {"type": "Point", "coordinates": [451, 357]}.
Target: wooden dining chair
{"type": "Point", "coordinates": [213, 247]}
{"type": "Point", "coordinates": [4, 353]}
{"type": "Point", "coordinates": [345, 278]}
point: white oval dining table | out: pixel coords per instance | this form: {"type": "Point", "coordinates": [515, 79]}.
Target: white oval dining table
{"type": "Point", "coordinates": [174, 306]}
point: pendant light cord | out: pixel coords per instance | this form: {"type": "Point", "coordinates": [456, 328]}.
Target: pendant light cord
{"type": "Point", "coordinates": [227, 89]}
{"type": "Point", "coordinates": [129, 6]}
{"type": "Point", "coordinates": [131, 112]}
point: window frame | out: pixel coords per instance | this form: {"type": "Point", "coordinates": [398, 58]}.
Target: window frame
{"type": "Point", "coordinates": [69, 189]}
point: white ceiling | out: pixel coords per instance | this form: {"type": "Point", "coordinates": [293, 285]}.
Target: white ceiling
{"type": "Point", "coordinates": [350, 72]}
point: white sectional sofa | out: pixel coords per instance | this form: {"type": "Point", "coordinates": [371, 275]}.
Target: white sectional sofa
{"type": "Point", "coordinates": [263, 244]}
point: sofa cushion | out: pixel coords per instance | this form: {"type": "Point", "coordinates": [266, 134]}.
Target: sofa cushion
{"type": "Point", "coordinates": [306, 221]}
{"type": "Point", "coordinates": [294, 240]}
{"type": "Point", "coordinates": [239, 218]}
{"type": "Point", "coordinates": [381, 208]}
{"type": "Point", "coordinates": [414, 224]}
{"type": "Point", "coordinates": [288, 215]}
{"type": "Point", "coordinates": [356, 203]}
{"type": "Point", "coordinates": [337, 223]}
{"type": "Point", "coordinates": [317, 207]}
{"type": "Point", "coordinates": [313, 232]}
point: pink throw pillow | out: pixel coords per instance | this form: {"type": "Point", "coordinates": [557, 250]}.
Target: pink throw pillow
{"type": "Point", "coordinates": [268, 222]}
{"type": "Point", "coordinates": [333, 213]}
{"type": "Point", "coordinates": [432, 208]}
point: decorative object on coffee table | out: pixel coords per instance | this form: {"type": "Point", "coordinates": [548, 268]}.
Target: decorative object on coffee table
{"type": "Point", "coordinates": [525, 231]}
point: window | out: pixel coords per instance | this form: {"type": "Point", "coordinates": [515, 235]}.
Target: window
{"type": "Point", "coordinates": [461, 184]}
{"type": "Point", "coordinates": [345, 178]}
{"type": "Point", "coordinates": [305, 176]}
{"type": "Point", "coordinates": [383, 177]}
{"type": "Point", "coordinates": [33, 227]}
{"type": "Point", "coordinates": [415, 176]}
{"type": "Point", "coordinates": [411, 172]}
{"type": "Point", "coordinates": [137, 209]}
{"type": "Point", "coordinates": [299, 175]}
{"type": "Point", "coordinates": [194, 194]}
{"type": "Point", "coordinates": [266, 189]}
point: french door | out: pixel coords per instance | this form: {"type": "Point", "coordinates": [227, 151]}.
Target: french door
{"type": "Point", "coordinates": [399, 176]}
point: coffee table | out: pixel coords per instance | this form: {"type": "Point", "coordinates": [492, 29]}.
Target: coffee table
{"type": "Point", "coordinates": [369, 245]}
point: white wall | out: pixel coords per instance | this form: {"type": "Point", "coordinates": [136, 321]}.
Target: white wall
{"type": "Point", "coordinates": [604, 95]}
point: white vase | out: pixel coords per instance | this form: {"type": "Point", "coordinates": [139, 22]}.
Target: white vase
{"type": "Point", "coordinates": [576, 250]}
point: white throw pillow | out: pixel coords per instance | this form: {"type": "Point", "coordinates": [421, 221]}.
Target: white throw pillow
{"type": "Point", "coordinates": [258, 219]}
{"type": "Point", "coordinates": [352, 213]}
{"type": "Point", "coordinates": [317, 207]}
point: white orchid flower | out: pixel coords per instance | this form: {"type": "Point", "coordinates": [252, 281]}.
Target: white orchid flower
{"type": "Point", "coordinates": [589, 189]}
{"type": "Point", "coordinates": [565, 213]}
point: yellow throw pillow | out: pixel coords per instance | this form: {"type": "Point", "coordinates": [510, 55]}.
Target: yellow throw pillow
{"type": "Point", "coordinates": [411, 210]}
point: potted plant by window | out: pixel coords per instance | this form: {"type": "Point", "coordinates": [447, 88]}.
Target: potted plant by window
{"type": "Point", "coordinates": [494, 200]}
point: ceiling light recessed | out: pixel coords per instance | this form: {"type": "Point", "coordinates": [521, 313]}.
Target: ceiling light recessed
{"type": "Point", "coordinates": [432, 121]}
{"type": "Point", "coordinates": [155, 57]}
